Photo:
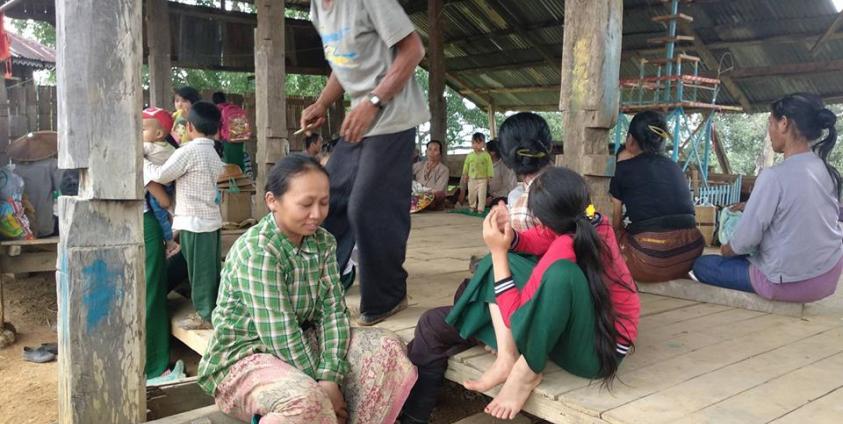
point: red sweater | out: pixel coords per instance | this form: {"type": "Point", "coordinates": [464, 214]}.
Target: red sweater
{"type": "Point", "coordinates": [543, 242]}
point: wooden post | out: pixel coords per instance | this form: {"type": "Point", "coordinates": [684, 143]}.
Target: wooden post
{"type": "Point", "coordinates": [436, 76]}
{"type": "Point", "coordinates": [4, 115]}
{"type": "Point", "coordinates": [270, 95]}
{"type": "Point", "coordinates": [100, 277]}
{"type": "Point", "coordinates": [159, 61]}
{"type": "Point", "coordinates": [493, 122]}
{"type": "Point", "coordinates": [589, 96]}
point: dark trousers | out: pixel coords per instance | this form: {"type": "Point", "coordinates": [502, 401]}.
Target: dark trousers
{"type": "Point", "coordinates": [433, 343]}
{"type": "Point", "coordinates": [371, 183]}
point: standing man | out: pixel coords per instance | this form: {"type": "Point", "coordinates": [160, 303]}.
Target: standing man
{"type": "Point", "coordinates": [373, 51]}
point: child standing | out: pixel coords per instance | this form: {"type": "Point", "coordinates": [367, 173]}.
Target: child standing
{"type": "Point", "coordinates": [477, 170]}
{"type": "Point", "coordinates": [183, 100]}
{"type": "Point", "coordinates": [195, 168]}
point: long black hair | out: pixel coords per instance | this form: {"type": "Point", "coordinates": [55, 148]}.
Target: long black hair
{"type": "Point", "coordinates": [811, 118]}
{"type": "Point", "coordinates": [559, 198]}
{"type": "Point", "coordinates": [649, 129]}
{"type": "Point", "coordinates": [278, 180]}
{"type": "Point", "coordinates": [525, 143]}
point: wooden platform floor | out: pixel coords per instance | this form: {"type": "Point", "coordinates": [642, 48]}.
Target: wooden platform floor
{"type": "Point", "coordinates": [694, 362]}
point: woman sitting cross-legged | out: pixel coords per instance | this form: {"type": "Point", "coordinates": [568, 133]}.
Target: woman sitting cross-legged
{"type": "Point", "coordinates": [576, 306]}
{"type": "Point", "coordinates": [788, 245]}
{"type": "Point", "coordinates": [282, 348]}
{"type": "Point", "coordinates": [662, 241]}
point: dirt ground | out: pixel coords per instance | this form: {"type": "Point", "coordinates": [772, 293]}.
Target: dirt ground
{"type": "Point", "coordinates": [28, 392]}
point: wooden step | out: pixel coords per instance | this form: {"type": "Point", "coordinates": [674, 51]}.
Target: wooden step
{"type": "Point", "coordinates": [668, 18]}
{"type": "Point", "coordinates": [692, 290]}
{"type": "Point", "coordinates": [207, 415]}
{"type": "Point", "coordinates": [678, 58]}
{"type": "Point", "coordinates": [484, 418]}
{"type": "Point", "coordinates": [665, 40]}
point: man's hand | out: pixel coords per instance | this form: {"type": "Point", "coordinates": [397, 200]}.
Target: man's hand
{"type": "Point", "coordinates": [335, 395]}
{"type": "Point", "coordinates": [172, 248]}
{"type": "Point", "coordinates": [358, 121]}
{"type": "Point", "coordinates": [738, 207]}
{"type": "Point", "coordinates": [313, 116]}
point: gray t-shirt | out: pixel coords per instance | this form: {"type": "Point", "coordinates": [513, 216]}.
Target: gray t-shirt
{"type": "Point", "coordinates": [359, 38]}
{"type": "Point", "coordinates": [791, 218]}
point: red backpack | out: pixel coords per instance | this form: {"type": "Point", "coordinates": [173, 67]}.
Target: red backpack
{"type": "Point", "coordinates": [235, 125]}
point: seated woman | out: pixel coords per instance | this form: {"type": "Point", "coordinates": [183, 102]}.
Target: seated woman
{"type": "Point", "coordinates": [662, 241]}
{"type": "Point", "coordinates": [432, 175]}
{"type": "Point", "coordinates": [526, 147]}
{"type": "Point", "coordinates": [576, 306]}
{"type": "Point", "coordinates": [282, 347]}
{"type": "Point", "coordinates": [789, 227]}
{"type": "Point", "coordinates": [503, 179]}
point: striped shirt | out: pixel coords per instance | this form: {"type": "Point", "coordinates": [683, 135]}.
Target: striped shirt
{"type": "Point", "coordinates": [195, 168]}
{"type": "Point", "coordinates": [270, 290]}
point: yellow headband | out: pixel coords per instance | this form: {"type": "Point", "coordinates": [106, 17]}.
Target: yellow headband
{"type": "Point", "coordinates": [659, 132]}
{"type": "Point", "coordinates": [527, 153]}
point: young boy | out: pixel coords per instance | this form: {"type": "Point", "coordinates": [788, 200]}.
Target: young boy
{"type": "Point", "coordinates": [477, 170]}
{"type": "Point", "coordinates": [195, 168]}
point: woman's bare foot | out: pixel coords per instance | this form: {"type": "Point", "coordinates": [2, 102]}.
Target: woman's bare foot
{"type": "Point", "coordinates": [515, 391]}
{"type": "Point", "coordinates": [496, 374]}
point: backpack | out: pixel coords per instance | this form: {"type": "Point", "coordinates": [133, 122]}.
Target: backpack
{"type": "Point", "coordinates": [234, 125]}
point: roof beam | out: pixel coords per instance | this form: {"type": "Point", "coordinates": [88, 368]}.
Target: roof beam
{"type": "Point", "coordinates": [788, 69]}
{"type": "Point", "coordinates": [514, 90]}
{"type": "Point", "coordinates": [500, 8]}
{"type": "Point", "coordinates": [712, 63]}
{"type": "Point", "coordinates": [828, 33]}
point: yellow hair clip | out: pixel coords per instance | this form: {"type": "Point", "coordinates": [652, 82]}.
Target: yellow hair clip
{"type": "Point", "coordinates": [590, 211]}
{"type": "Point", "coordinates": [527, 153]}
{"type": "Point", "coordinates": [659, 132]}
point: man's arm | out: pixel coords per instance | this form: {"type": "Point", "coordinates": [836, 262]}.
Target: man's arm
{"type": "Point", "coordinates": [314, 115]}
{"type": "Point", "coordinates": [359, 120]}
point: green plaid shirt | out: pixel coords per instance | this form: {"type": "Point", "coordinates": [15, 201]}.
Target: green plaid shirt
{"type": "Point", "coordinates": [269, 288]}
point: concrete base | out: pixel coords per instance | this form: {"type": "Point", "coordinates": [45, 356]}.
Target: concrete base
{"type": "Point", "coordinates": [692, 290]}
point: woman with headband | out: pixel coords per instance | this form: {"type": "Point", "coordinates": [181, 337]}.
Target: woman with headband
{"type": "Point", "coordinates": [661, 241]}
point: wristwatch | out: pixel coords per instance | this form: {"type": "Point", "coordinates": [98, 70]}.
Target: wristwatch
{"type": "Point", "coordinates": [375, 100]}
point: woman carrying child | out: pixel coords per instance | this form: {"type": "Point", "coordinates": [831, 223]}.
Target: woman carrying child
{"type": "Point", "coordinates": [788, 245]}
{"type": "Point", "coordinates": [574, 303]}
{"type": "Point", "coordinates": [282, 346]}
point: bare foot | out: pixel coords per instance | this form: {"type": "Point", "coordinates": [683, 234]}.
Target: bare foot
{"type": "Point", "coordinates": [515, 392]}
{"type": "Point", "coordinates": [496, 374]}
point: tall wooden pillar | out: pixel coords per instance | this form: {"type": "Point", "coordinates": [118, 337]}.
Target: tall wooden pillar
{"type": "Point", "coordinates": [493, 121]}
{"type": "Point", "coordinates": [436, 76]}
{"type": "Point", "coordinates": [159, 61]}
{"type": "Point", "coordinates": [100, 276]}
{"type": "Point", "coordinates": [4, 114]}
{"type": "Point", "coordinates": [589, 96]}
{"type": "Point", "coordinates": [270, 95]}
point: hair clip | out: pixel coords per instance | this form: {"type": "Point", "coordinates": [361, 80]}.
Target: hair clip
{"type": "Point", "coordinates": [659, 132]}
{"type": "Point", "coordinates": [590, 211]}
{"type": "Point", "coordinates": [527, 153]}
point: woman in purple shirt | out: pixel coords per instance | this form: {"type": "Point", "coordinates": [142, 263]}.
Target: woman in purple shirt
{"type": "Point", "coordinates": [788, 245]}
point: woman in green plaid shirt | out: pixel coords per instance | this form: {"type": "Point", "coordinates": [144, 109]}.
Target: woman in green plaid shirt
{"type": "Point", "coordinates": [282, 347]}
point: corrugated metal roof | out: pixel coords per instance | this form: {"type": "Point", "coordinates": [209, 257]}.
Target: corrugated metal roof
{"type": "Point", "coordinates": [30, 53]}
{"type": "Point", "coordinates": [486, 52]}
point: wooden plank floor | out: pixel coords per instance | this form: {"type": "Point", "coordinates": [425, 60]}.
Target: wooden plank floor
{"type": "Point", "coordinates": [693, 363]}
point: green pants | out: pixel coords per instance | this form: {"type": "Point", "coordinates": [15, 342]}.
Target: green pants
{"type": "Point", "coordinates": [157, 322]}
{"type": "Point", "coordinates": [202, 253]}
{"type": "Point", "coordinates": [233, 153]}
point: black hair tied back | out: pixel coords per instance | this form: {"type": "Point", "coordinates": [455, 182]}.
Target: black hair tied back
{"type": "Point", "coordinates": [812, 118]}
